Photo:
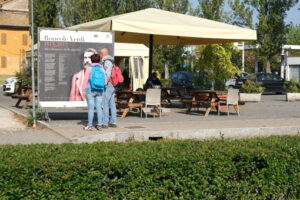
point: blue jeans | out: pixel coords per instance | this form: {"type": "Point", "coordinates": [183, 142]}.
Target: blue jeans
{"type": "Point", "coordinates": [94, 99]}
{"type": "Point", "coordinates": [109, 103]}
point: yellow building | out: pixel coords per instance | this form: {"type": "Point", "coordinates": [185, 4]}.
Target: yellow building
{"type": "Point", "coordinates": [14, 35]}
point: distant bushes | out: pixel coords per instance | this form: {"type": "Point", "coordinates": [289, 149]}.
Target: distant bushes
{"type": "Point", "coordinates": [261, 168]}
{"type": "Point", "coordinates": [252, 87]}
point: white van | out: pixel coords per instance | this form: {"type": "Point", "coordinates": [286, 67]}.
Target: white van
{"type": "Point", "coordinates": [9, 86]}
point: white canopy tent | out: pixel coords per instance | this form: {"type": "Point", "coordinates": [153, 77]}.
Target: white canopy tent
{"type": "Point", "coordinates": [154, 26]}
{"type": "Point", "coordinates": [138, 62]}
{"type": "Point", "coordinates": [168, 28]}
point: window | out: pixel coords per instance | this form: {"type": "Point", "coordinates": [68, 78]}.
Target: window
{"type": "Point", "coordinates": [3, 38]}
{"type": "Point", "coordinates": [3, 62]}
{"type": "Point", "coordinates": [25, 39]}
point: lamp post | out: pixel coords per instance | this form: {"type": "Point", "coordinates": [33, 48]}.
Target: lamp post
{"type": "Point", "coordinates": [32, 66]}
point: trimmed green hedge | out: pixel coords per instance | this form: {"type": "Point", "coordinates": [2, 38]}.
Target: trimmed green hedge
{"type": "Point", "coordinates": [261, 168]}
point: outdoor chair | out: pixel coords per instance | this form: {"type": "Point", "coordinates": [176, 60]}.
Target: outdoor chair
{"type": "Point", "coordinates": [232, 99]}
{"type": "Point", "coordinates": [153, 98]}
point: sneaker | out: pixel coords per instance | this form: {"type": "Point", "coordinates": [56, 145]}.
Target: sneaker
{"type": "Point", "coordinates": [104, 126]}
{"type": "Point", "coordinates": [113, 125]}
{"type": "Point", "coordinates": [98, 127]}
{"type": "Point", "coordinates": [88, 128]}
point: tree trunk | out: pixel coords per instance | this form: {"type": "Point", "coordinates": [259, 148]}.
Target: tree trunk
{"type": "Point", "coordinates": [268, 67]}
{"type": "Point", "coordinates": [166, 70]}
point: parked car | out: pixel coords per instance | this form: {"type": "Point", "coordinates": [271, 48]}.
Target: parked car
{"type": "Point", "coordinates": [182, 79]}
{"type": "Point", "coordinates": [9, 86]}
{"type": "Point", "coordinates": [238, 80]}
{"type": "Point", "coordinates": [271, 82]}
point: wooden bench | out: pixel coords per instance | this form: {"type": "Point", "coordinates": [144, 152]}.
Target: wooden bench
{"type": "Point", "coordinates": [24, 93]}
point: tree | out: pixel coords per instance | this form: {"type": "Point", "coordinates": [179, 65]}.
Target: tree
{"type": "Point", "coordinates": [271, 28]}
{"type": "Point", "coordinates": [293, 36]}
{"type": "Point", "coordinates": [74, 12]}
{"type": "Point", "coordinates": [45, 14]}
{"type": "Point", "coordinates": [210, 9]}
{"type": "Point", "coordinates": [216, 60]}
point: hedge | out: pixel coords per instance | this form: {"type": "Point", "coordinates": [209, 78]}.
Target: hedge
{"type": "Point", "coordinates": [260, 168]}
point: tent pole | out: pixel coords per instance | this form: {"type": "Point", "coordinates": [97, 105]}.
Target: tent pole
{"type": "Point", "coordinates": [150, 53]}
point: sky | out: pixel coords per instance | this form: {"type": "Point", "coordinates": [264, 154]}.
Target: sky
{"type": "Point", "coordinates": [292, 16]}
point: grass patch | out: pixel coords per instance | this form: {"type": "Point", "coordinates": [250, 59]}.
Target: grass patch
{"type": "Point", "coordinates": [3, 78]}
{"type": "Point", "coordinates": [260, 168]}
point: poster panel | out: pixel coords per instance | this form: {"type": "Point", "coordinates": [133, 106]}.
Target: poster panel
{"type": "Point", "coordinates": [62, 57]}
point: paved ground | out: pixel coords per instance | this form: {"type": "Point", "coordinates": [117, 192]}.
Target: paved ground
{"type": "Point", "coordinates": [14, 131]}
{"type": "Point", "coordinates": [272, 115]}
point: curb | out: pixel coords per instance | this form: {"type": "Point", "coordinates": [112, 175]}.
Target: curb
{"type": "Point", "coordinates": [199, 134]}
{"type": "Point", "coordinates": [41, 124]}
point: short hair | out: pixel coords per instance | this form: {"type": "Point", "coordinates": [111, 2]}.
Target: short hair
{"type": "Point", "coordinates": [95, 58]}
{"type": "Point", "coordinates": [154, 74]}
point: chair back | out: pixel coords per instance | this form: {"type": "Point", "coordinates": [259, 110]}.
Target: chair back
{"type": "Point", "coordinates": [153, 97]}
{"type": "Point", "coordinates": [233, 96]}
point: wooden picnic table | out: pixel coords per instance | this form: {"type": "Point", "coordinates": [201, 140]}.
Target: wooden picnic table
{"type": "Point", "coordinates": [172, 93]}
{"type": "Point", "coordinates": [204, 98]}
{"type": "Point", "coordinates": [126, 99]}
{"type": "Point", "coordinates": [24, 93]}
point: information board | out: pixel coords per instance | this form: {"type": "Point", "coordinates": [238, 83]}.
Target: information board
{"type": "Point", "coordinates": [61, 64]}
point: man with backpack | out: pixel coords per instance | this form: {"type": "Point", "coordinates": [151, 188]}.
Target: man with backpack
{"type": "Point", "coordinates": [107, 61]}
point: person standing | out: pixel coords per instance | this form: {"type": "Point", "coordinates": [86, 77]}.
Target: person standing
{"type": "Point", "coordinates": [107, 61]}
{"type": "Point", "coordinates": [94, 96]}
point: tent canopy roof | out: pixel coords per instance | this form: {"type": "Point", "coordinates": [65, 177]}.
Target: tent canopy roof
{"type": "Point", "coordinates": [126, 49]}
{"type": "Point", "coordinates": [167, 28]}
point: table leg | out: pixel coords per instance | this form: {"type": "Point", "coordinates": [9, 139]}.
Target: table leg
{"type": "Point", "coordinates": [26, 104]}
{"type": "Point", "coordinates": [189, 107]}
{"type": "Point", "coordinates": [236, 109]}
{"type": "Point", "coordinates": [18, 103]}
{"type": "Point", "coordinates": [125, 112]}
{"type": "Point", "coordinates": [157, 110]}
{"type": "Point", "coordinates": [207, 111]}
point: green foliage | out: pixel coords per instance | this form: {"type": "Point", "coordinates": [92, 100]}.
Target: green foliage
{"type": "Point", "coordinates": [216, 61]}
{"type": "Point", "coordinates": [45, 14]}
{"type": "Point", "coordinates": [293, 36]}
{"type": "Point", "coordinates": [210, 9]}
{"type": "Point", "coordinates": [74, 12]}
{"type": "Point", "coordinates": [260, 168]}
{"type": "Point", "coordinates": [291, 86]}
{"type": "Point", "coordinates": [166, 82]}
{"type": "Point", "coordinates": [271, 28]}
{"type": "Point", "coordinates": [39, 115]}
{"type": "Point", "coordinates": [252, 87]}
{"type": "Point", "coordinates": [201, 81]}
{"type": "Point", "coordinates": [24, 76]}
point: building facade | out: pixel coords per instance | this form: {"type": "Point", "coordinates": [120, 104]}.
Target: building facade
{"type": "Point", "coordinates": [293, 68]}
{"type": "Point", "coordinates": [14, 35]}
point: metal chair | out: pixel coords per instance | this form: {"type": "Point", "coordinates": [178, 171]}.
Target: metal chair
{"type": "Point", "coordinates": [232, 99]}
{"type": "Point", "coordinates": [153, 98]}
